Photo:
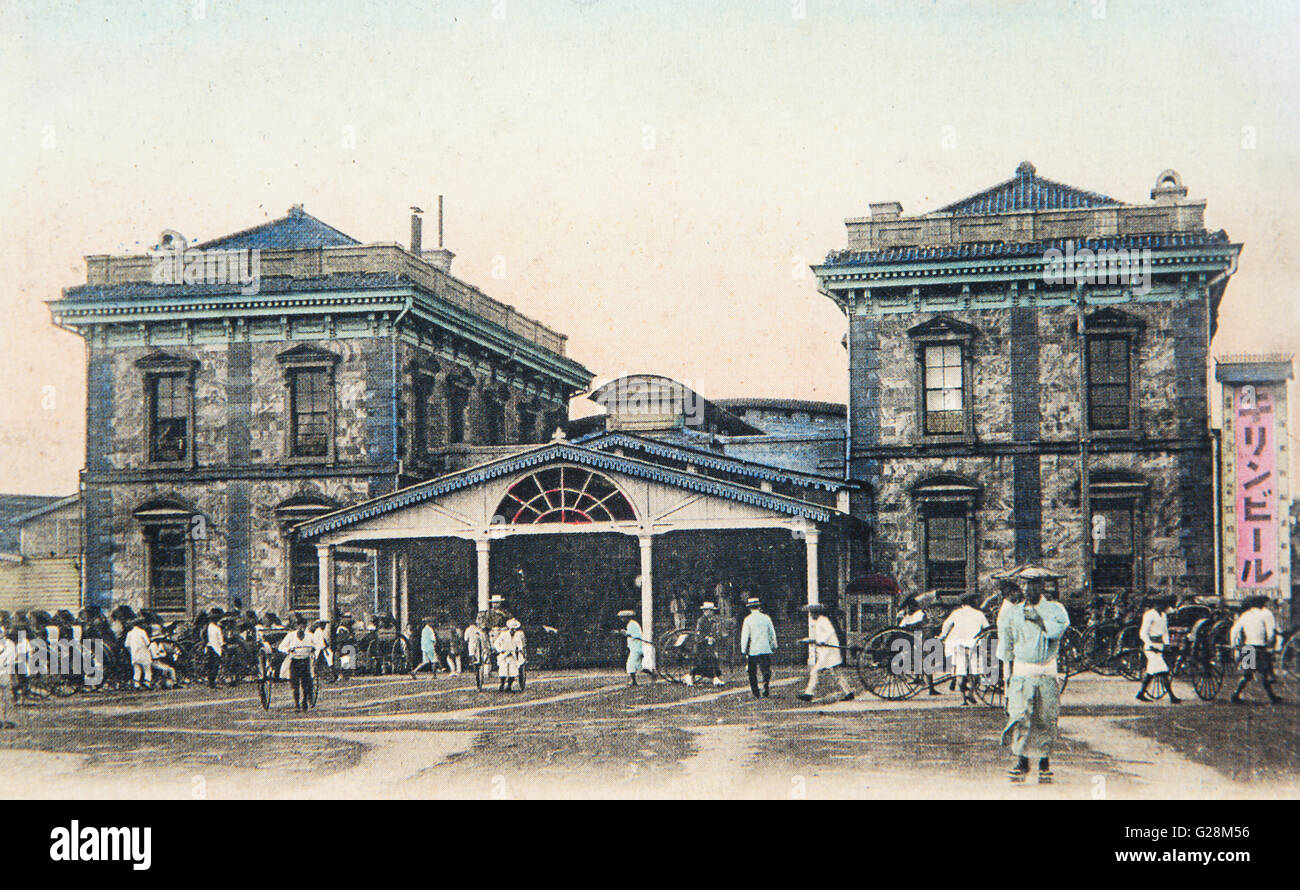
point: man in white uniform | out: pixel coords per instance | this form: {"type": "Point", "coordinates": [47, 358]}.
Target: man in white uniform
{"type": "Point", "coordinates": [635, 644]}
{"type": "Point", "coordinates": [827, 655]}
{"type": "Point", "coordinates": [1254, 633]}
{"type": "Point", "coordinates": [958, 633]}
{"type": "Point", "coordinates": [137, 644]}
{"type": "Point", "coordinates": [1154, 634]}
{"type": "Point", "coordinates": [509, 646]}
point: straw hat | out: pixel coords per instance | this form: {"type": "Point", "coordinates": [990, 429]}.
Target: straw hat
{"type": "Point", "coordinates": [626, 613]}
{"type": "Point", "coordinates": [708, 607]}
{"type": "Point", "coordinates": [753, 602]}
{"type": "Point", "coordinates": [513, 624]}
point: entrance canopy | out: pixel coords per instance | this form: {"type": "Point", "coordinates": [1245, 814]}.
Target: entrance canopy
{"type": "Point", "coordinates": [567, 488]}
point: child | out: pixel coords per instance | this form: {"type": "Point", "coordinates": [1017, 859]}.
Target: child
{"type": "Point", "coordinates": [137, 644]}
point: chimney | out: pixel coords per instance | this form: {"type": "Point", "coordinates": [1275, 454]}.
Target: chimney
{"type": "Point", "coordinates": [886, 210]}
{"type": "Point", "coordinates": [417, 224]}
{"type": "Point", "coordinates": [440, 257]}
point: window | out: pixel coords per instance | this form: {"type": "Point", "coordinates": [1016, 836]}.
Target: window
{"type": "Point", "coordinates": [1110, 387]}
{"type": "Point", "coordinates": [423, 394]}
{"type": "Point", "coordinates": [167, 554]}
{"type": "Point", "coordinates": [169, 417]}
{"type": "Point", "coordinates": [945, 551]}
{"type": "Point", "coordinates": [304, 578]}
{"type": "Point", "coordinates": [944, 409]}
{"type": "Point", "coordinates": [457, 402]}
{"type": "Point", "coordinates": [1114, 547]}
{"type": "Point", "coordinates": [944, 357]}
{"type": "Point", "coordinates": [567, 495]}
{"type": "Point", "coordinates": [526, 419]}
{"type": "Point", "coordinates": [310, 395]}
{"type": "Point", "coordinates": [494, 420]}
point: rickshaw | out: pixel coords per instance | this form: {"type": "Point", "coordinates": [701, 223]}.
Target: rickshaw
{"type": "Point", "coordinates": [270, 662]}
{"type": "Point", "coordinates": [1192, 651]}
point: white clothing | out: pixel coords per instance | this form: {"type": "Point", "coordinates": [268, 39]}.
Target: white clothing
{"type": "Point", "coordinates": [216, 639]}
{"type": "Point", "coordinates": [826, 652]}
{"type": "Point", "coordinates": [509, 646]}
{"type": "Point", "coordinates": [1254, 627]}
{"type": "Point", "coordinates": [959, 631]}
{"type": "Point", "coordinates": [912, 618]}
{"type": "Point", "coordinates": [1154, 634]}
{"type": "Point", "coordinates": [137, 643]}
{"type": "Point", "coordinates": [8, 658]}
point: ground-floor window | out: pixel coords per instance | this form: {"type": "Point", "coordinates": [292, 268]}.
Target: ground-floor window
{"type": "Point", "coordinates": [1114, 562]}
{"type": "Point", "coordinates": [304, 578]}
{"type": "Point", "coordinates": [945, 550]}
{"type": "Point", "coordinates": [167, 559]}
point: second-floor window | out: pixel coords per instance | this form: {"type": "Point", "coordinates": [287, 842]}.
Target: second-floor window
{"type": "Point", "coordinates": [943, 406]}
{"type": "Point", "coordinates": [1110, 385]}
{"type": "Point", "coordinates": [457, 402]}
{"type": "Point", "coordinates": [169, 417]}
{"type": "Point", "coordinates": [310, 395]}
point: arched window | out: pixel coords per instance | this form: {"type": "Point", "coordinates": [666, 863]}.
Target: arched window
{"type": "Point", "coordinates": [564, 494]}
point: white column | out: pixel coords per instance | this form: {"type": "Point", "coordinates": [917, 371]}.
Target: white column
{"type": "Point", "coordinates": [404, 595]}
{"type": "Point", "coordinates": [483, 546]}
{"type": "Point", "coordinates": [647, 601]}
{"type": "Point", "coordinates": [325, 570]}
{"type": "Point", "coordinates": [810, 544]}
{"type": "Point", "coordinates": [394, 581]}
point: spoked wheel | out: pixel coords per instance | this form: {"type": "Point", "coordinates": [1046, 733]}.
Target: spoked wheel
{"type": "Point", "coordinates": [265, 677]}
{"type": "Point", "coordinates": [1128, 659]}
{"type": "Point", "coordinates": [1207, 678]}
{"type": "Point", "coordinates": [523, 676]}
{"type": "Point", "coordinates": [1099, 648]}
{"type": "Point", "coordinates": [876, 668]}
{"type": "Point", "coordinates": [675, 655]}
{"type": "Point", "coordinates": [1287, 668]}
{"type": "Point", "coordinates": [993, 694]}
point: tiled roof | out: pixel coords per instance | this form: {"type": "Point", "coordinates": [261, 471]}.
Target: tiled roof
{"type": "Point", "coordinates": [1027, 191]}
{"type": "Point", "coordinates": [12, 507]}
{"type": "Point", "coordinates": [770, 404]}
{"type": "Point", "coordinates": [298, 229]}
{"type": "Point", "coordinates": [1003, 249]}
{"type": "Point", "coordinates": [554, 452]}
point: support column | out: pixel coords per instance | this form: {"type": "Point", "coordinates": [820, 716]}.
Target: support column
{"type": "Point", "coordinates": [483, 546]}
{"type": "Point", "coordinates": [811, 536]}
{"type": "Point", "coordinates": [404, 594]}
{"type": "Point", "coordinates": [394, 581]}
{"type": "Point", "coordinates": [325, 579]}
{"type": "Point", "coordinates": [647, 601]}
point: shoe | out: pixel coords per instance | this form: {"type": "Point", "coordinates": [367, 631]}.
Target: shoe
{"type": "Point", "coordinates": [717, 681]}
{"type": "Point", "coordinates": [689, 681]}
{"type": "Point", "coordinates": [766, 694]}
{"type": "Point", "coordinates": [1017, 774]}
{"type": "Point", "coordinates": [1236, 700]}
{"type": "Point", "coordinates": [848, 696]}
{"type": "Point", "coordinates": [935, 692]}
{"type": "Point", "coordinates": [1142, 696]}
{"type": "Point", "coordinates": [1045, 776]}
{"type": "Point", "coordinates": [803, 696]}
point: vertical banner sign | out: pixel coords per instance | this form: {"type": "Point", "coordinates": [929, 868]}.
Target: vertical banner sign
{"type": "Point", "coordinates": [1256, 488]}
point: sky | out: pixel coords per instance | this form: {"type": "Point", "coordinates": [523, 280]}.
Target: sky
{"type": "Point", "coordinates": [651, 178]}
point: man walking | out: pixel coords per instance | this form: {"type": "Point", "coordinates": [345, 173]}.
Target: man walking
{"type": "Point", "coordinates": [216, 642]}
{"type": "Point", "coordinates": [1254, 634]}
{"type": "Point", "coordinates": [758, 644]}
{"type": "Point", "coordinates": [635, 644]}
{"type": "Point", "coordinates": [1154, 634]}
{"type": "Point", "coordinates": [428, 650]}
{"type": "Point", "coordinates": [826, 653]}
{"type": "Point", "coordinates": [707, 634]}
{"type": "Point", "coordinates": [1029, 635]}
{"type": "Point", "coordinates": [300, 648]}
{"type": "Point", "coordinates": [958, 634]}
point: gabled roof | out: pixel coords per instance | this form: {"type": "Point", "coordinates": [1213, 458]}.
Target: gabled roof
{"type": "Point", "coordinates": [561, 452]}
{"type": "Point", "coordinates": [297, 229]}
{"type": "Point", "coordinates": [713, 460]}
{"type": "Point", "coordinates": [1028, 191]}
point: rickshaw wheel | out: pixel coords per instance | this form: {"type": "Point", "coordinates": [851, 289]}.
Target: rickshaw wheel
{"type": "Point", "coordinates": [674, 655]}
{"type": "Point", "coordinates": [876, 673]}
{"type": "Point", "coordinates": [1207, 679]}
{"type": "Point", "coordinates": [1287, 668]}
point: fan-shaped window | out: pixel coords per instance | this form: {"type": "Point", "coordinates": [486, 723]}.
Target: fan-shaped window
{"type": "Point", "coordinates": [564, 494]}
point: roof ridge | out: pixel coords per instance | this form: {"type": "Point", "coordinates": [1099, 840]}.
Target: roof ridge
{"type": "Point", "coordinates": [296, 212]}
{"type": "Point", "coordinates": [1025, 190]}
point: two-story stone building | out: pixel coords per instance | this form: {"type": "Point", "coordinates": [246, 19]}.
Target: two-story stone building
{"type": "Point", "coordinates": [1027, 371]}
{"type": "Point", "coordinates": [241, 385]}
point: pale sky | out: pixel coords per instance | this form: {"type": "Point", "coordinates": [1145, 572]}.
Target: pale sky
{"type": "Point", "coordinates": [652, 177]}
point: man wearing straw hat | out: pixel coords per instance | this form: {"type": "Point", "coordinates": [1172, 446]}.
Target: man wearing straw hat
{"type": "Point", "coordinates": [707, 631]}
{"type": "Point", "coordinates": [635, 644]}
{"type": "Point", "coordinates": [758, 642]}
{"type": "Point", "coordinates": [827, 655]}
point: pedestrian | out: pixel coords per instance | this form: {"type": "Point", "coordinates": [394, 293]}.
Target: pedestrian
{"type": "Point", "coordinates": [677, 609]}
{"type": "Point", "coordinates": [912, 615]}
{"type": "Point", "coordinates": [8, 662]}
{"type": "Point", "coordinates": [477, 648]}
{"type": "Point", "coordinates": [1254, 634]}
{"type": "Point", "coordinates": [958, 634]}
{"type": "Point", "coordinates": [215, 644]}
{"type": "Point", "coordinates": [1010, 596]}
{"type": "Point", "coordinates": [758, 644]}
{"type": "Point", "coordinates": [428, 650]}
{"type": "Point", "coordinates": [509, 646]}
{"type": "Point", "coordinates": [1029, 635]}
{"type": "Point", "coordinates": [300, 648]}
{"type": "Point", "coordinates": [454, 643]}
{"type": "Point", "coordinates": [137, 646]}
{"type": "Point", "coordinates": [824, 641]}
{"type": "Point", "coordinates": [707, 632]}
{"type": "Point", "coordinates": [1154, 634]}
{"type": "Point", "coordinates": [635, 644]}
{"type": "Point", "coordinates": [162, 663]}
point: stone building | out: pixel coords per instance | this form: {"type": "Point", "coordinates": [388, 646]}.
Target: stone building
{"type": "Point", "coordinates": [1027, 375]}
{"type": "Point", "coordinates": [245, 384]}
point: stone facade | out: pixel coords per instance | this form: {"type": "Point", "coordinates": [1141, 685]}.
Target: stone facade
{"type": "Point", "coordinates": [1009, 454]}
{"type": "Point", "coordinates": [383, 340]}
